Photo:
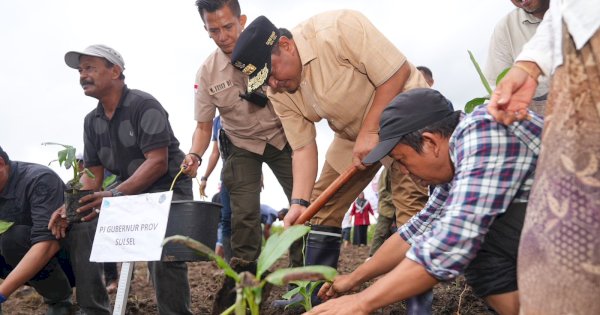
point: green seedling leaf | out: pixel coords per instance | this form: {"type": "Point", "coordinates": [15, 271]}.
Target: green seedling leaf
{"type": "Point", "coordinates": [290, 294]}
{"type": "Point", "coordinates": [312, 273]}
{"type": "Point", "coordinates": [203, 250]}
{"type": "Point", "coordinates": [470, 106]}
{"type": "Point", "coordinates": [67, 158]}
{"type": "Point", "coordinates": [5, 225]}
{"type": "Point", "coordinates": [277, 245]}
{"type": "Point", "coordinates": [92, 176]}
{"type": "Point", "coordinates": [240, 302]}
{"type": "Point", "coordinates": [502, 75]}
{"type": "Point", "coordinates": [481, 76]}
{"type": "Point", "coordinates": [314, 285]}
{"type": "Point", "coordinates": [62, 158]}
{"type": "Point", "coordinates": [107, 181]}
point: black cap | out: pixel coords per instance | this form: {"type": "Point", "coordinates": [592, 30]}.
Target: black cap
{"type": "Point", "coordinates": [252, 52]}
{"type": "Point", "coordinates": [408, 112]}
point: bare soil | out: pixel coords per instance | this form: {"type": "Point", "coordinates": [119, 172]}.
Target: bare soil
{"type": "Point", "coordinates": [205, 279]}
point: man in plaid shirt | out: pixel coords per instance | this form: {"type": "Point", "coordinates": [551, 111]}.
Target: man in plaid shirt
{"type": "Point", "coordinates": [483, 171]}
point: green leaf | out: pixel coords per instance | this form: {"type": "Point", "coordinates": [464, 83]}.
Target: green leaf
{"type": "Point", "coordinates": [107, 181]}
{"type": "Point", "coordinates": [287, 275]}
{"type": "Point", "coordinates": [470, 106]}
{"type": "Point", "coordinates": [62, 158]}
{"type": "Point", "coordinates": [92, 176]}
{"type": "Point", "coordinates": [5, 225]}
{"type": "Point", "coordinates": [314, 285]}
{"type": "Point", "coordinates": [204, 250]}
{"type": "Point", "coordinates": [481, 76]}
{"type": "Point", "coordinates": [290, 294]}
{"type": "Point", "coordinates": [277, 245]}
{"type": "Point", "coordinates": [501, 75]}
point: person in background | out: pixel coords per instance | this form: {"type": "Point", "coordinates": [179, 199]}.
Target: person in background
{"type": "Point", "coordinates": [386, 210]}
{"type": "Point", "coordinates": [361, 208]}
{"type": "Point", "coordinates": [268, 215]}
{"type": "Point", "coordinates": [466, 227]}
{"type": "Point", "coordinates": [427, 74]}
{"type": "Point", "coordinates": [223, 246]}
{"type": "Point", "coordinates": [29, 194]}
{"type": "Point", "coordinates": [346, 229]}
{"type": "Point", "coordinates": [509, 36]}
{"type": "Point", "coordinates": [559, 253]}
{"type": "Point", "coordinates": [129, 134]}
{"type": "Point", "coordinates": [219, 248]}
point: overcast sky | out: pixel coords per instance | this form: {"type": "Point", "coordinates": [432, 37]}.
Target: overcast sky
{"type": "Point", "coordinates": [164, 42]}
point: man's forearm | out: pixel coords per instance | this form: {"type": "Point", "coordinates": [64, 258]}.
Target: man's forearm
{"type": "Point", "coordinates": [406, 280]}
{"type": "Point", "coordinates": [95, 183]}
{"type": "Point", "coordinates": [154, 167]}
{"type": "Point", "coordinates": [304, 169]}
{"type": "Point", "coordinates": [387, 257]}
{"type": "Point", "coordinates": [201, 137]}
{"type": "Point", "coordinates": [34, 260]}
{"type": "Point", "coordinates": [212, 160]}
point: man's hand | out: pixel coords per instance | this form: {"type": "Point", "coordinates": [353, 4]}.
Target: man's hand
{"type": "Point", "coordinates": [92, 203]}
{"type": "Point", "coordinates": [58, 223]}
{"type": "Point", "coordinates": [365, 142]}
{"type": "Point", "coordinates": [512, 96]}
{"type": "Point", "coordinates": [190, 165]}
{"type": "Point", "coordinates": [292, 215]}
{"type": "Point", "coordinates": [348, 304]}
{"type": "Point", "coordinates": [341, 284]}
{"type": "Point", "coordinates": [202, 188]}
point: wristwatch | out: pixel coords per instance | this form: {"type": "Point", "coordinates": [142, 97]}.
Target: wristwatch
{"type": "Point", "coordinates": [298, 201]}
{"type": "Point", "coordinates": [116, 193]}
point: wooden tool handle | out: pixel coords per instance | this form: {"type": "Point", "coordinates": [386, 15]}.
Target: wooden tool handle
{"type": "Point", "coordinates": [326, 195]}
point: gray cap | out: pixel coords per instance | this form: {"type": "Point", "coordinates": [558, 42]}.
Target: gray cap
{"type": "Point", "coordinates": [103, 51]}
{"type": "Point", "coordinates": [408, 112]}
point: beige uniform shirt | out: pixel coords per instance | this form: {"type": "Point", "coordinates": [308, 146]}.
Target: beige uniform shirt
{"type": "Point", "coordinates": [510, 35]}
{"type": "Point", "coordinates": [248, 126]}
{"type": "Point", "coordinates": [344, 58]}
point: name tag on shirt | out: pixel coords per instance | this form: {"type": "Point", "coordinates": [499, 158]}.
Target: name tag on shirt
{"type": "Point", "coordinates": [214, 89]}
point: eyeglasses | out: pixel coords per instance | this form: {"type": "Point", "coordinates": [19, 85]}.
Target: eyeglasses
{"type": "Point", "coordinates": [86, 69]}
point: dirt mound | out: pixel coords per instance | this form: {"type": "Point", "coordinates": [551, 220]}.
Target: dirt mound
{"type": "Point", "coordinates": [206, 279]}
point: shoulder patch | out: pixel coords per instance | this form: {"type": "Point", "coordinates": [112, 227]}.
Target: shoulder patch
{"type": "Point", "coordinates": [221, 86]}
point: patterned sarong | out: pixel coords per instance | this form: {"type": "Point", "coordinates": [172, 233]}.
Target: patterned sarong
{"type": "Point", "coordinates": [559, 253]}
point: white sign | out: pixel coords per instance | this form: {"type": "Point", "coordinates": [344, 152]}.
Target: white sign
{"type": "Point", "coordinates": [131, 228]}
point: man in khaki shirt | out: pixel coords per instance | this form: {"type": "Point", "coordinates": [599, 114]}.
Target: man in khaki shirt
{"type": "Point", "coordinates": [251, 131]}
{"type": "Point", "coordinates": [339, 67]}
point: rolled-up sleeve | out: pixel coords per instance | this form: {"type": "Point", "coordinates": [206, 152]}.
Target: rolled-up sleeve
{"type": "Point", "coordinates": [422, 221]}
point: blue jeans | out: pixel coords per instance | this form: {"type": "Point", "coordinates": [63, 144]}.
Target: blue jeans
{"type": "Point", "coordinates": [224, 233]}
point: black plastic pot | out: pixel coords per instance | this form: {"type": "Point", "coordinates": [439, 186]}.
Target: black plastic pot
{"type": "Point", "coordinates": [196, 219]}
{"type": "Point", "coordinates": [72, 197]}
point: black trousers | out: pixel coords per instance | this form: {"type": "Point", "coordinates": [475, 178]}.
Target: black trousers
{"type": "Point", "coordinates": [52, 282]}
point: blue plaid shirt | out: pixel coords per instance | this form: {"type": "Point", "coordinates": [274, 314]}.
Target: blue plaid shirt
{"type": "Point", "coordinates": [494, 165]}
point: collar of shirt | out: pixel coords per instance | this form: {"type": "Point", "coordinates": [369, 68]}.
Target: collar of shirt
{"type": "Point", "coordinates": [528, 18]}
{"type": "Point", "coordinates": [100, 108]}
{"type": "Point", "coordinates": [223, 60]}
{"type": "Point", "coordinates": [306, 52]}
